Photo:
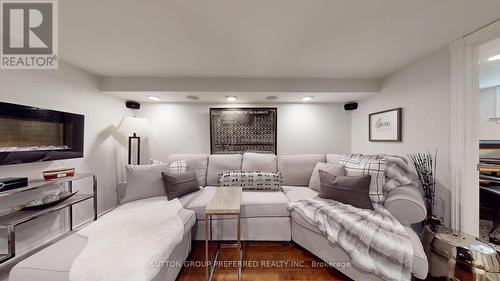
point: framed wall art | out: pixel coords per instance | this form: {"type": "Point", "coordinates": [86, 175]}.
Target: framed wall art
{"type": "Point", "coordinates": [385, 125]}
{"type": "Point", "coordinates": [238, 130]}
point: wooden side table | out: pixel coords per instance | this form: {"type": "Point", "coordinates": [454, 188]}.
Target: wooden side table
{"type": "Point", "coordinates": [226, 202]}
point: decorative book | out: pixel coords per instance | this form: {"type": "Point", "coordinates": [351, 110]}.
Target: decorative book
{"type": "Point", "coordinates": [58, 173]}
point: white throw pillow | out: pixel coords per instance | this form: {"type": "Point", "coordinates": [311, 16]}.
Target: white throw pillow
{"type": "Point", "coordinates": [144, 181]}
{"type": "Point", "coordinates": [334, 169]}
{"type": "Point", "coordinates": [373, 165]}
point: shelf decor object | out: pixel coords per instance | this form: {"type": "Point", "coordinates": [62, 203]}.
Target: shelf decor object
{"type": "Point", "coordinates": [58, 173]}
{"type": "Point", "coordinates": [30, 206]}
{"type": "Point", "coordinates": [135, 126]}
{"type": "Point", "coordinates": [238, 130]}
{"type": "Point", "coordinates": [489, 144]}
{"type": "Point", "coordinates": [12, 220]}
{"type": "Point", "coordinates": [12, 183]}
{"type": "Point", "coordinates": [385, 125]}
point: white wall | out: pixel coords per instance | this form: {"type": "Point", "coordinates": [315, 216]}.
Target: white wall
{"type": "Point", "coordinates": [422, 89]}
{"type": "Point", "coordinates": [302, 128]}
{"type": "Point", "coordinates": [488, 129]}
{"type": "Point", "coordinates": [73, 90]}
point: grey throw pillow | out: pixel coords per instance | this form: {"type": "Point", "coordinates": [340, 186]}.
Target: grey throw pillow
{"type": "Point", "coordinates": [334, 169]}
{"type": "Point", "coordinates": [179, 184]}
{"type": "Point", "coordinates": [352, 190]}
{"type": "Point", "coordinates": [373, 165]}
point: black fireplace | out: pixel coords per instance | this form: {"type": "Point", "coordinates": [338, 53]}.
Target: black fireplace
{"type": "Point", "coordinates": [31, 134]}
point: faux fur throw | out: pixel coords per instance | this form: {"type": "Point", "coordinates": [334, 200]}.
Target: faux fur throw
{"type": "Point", "coordinates": [398, 172]}
{"type": "Point", "coordinates": [374, 239]}
{"type": "Point", "coordinates": [125, 244]}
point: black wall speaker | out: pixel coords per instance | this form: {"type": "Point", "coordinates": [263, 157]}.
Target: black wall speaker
{"type": "Point", "coordinates": [132, 104]}
{"type": "Point", "coordinates": [351, 106]}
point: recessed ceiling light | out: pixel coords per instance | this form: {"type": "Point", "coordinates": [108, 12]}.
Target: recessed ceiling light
{"type": "Point", "coordinates": [231, 99]}
{"type": "Point", "coordinates": [155, 98]}
{"type": "Point", "coordinates": [192, 97]}
{"type": "Point", "coordinates": [494, 58]}
{"type": "Point", "coordinates": [271, 98]}
{"type": "Point", "coordinates": [308, 98]}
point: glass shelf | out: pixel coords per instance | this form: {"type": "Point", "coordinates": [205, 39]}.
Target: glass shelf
{"type": "Point", "coordinates": [39, 183]}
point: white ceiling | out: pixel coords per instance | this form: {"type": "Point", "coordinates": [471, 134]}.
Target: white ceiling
{"type": "Point", "coordinates": [243, 97]}
{"type": "Point", "coordinates": [489, 70]}
{"type": "Point", "coordinates": [261, 38]}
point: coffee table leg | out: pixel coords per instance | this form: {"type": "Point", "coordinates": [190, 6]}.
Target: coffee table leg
{"type": "Point", "coordinates": [239, 246]}
{"type": "Point", "coordinates": [206, 247]}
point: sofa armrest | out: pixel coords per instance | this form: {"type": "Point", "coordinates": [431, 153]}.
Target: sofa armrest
{"type": "Point", "coordinates": [121, 190]}
{"type": "Point", "coordinates": [406, 204]}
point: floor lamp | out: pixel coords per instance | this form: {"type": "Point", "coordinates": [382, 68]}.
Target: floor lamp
{"type": "Point", "coordinates": [135, 126]}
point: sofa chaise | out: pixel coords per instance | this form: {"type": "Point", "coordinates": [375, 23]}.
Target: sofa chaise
{"type": "Point", "coordinates": [54, 262]}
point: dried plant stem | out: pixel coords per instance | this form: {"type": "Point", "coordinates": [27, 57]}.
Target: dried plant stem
{"type": "Point", "coordinates": [425, 165]}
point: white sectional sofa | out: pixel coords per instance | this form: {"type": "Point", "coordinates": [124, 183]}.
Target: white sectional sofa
{"type": "Point", "coordinates": [265, 215]}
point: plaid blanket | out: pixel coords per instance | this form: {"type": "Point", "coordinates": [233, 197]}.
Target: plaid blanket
{"type": "Point", "coordinates": [387, 171]}
{"type": "Point", "coordinates": [374, 239]}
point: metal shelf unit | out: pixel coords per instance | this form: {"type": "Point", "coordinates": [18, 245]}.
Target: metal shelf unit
{"type": "Point", "coordinates": [12, 220]}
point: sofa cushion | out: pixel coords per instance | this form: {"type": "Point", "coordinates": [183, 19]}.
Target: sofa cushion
{"type": "Point", "coordinates": [219, 163]}
{"type": "Point", "coordinates": [419, 265]}
{"type": "Point", "coordinates": [196, 162]}
{"type": "Point", "coordinates": [333, 158]}
{"type": "Point", "coordinates": [334, 169]}
{"type": "Point", "coordinates": [186, 199]}
{"type": "Point", "coordinates": [262, 162]}
{"type": "Point", "coordinates": [296, 193]}
{"type": "Point", "coordinates": [297, 169]}
{"type": "Point", "coordinates": [144, 181]}
{"type": "Point", "coordinates": [253, 203]}
{"type": "Point", "coordinates": [258, 181]}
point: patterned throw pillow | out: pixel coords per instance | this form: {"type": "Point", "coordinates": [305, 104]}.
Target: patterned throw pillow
{"type": "Point", "coordinates": [260, 181]}
{"type": "Point", "coordinates": [373, 165]}
{"type": "Point", "coordinates": [178, 167]}
{"type": "Point", "coordinates": [155, 162]}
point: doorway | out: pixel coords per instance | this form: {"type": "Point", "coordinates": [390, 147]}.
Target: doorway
{"type": "Point", "coordinates": [489, 141]}
{"type": "Point", "coordinates": [464, 148]}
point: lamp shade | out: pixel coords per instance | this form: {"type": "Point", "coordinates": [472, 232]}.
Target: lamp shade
{"type": "Point", "coordinates": [131, 125]}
